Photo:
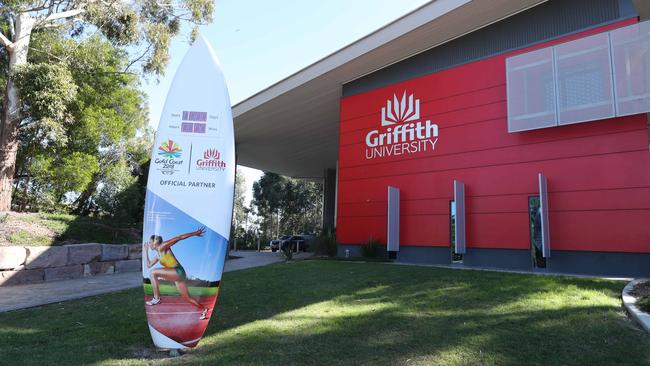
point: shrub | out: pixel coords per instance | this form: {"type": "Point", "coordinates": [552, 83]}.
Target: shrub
{"type": "Point", "coordinates": [326, 243]}
{"type": "Point", "coordinates": [644, 304]}
{"type": "Point", "coordinates": [371, 248]}
{"type": "Point", "coordinates": [288, 254]}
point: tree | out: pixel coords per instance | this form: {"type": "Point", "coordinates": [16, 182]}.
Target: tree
{"type": "Point", "coordinates": [301, 206]}
{"type": "Point", "coordinates": [144, 26]}
{"type": "Point", "coordinates": [104, 119]}
{"type": "Point", "coordinates": [267, 196]}
{"type": "Point", "coordinates": [240, 211]}
{"type": "Point", "coordinates": [287, 205]}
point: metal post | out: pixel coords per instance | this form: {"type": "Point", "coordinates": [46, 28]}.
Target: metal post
{"type": "Point", "coordinates": [392, 226]}
{"type": "Point", "coordinates": [258, 243]}
{"type": "Point", "coordinates": [543, 205]}
{"type": "Point", "coordinates": [459, 198]}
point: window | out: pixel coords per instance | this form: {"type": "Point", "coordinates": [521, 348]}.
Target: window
{"type": "Point", "coordinates": [580, 87]}
{"type": "Point", "coordinates": [531, 91]}
{"type": "Point", "coordinates": [584, 79]}
{"type": "Point", "coordinates": [592, 78]}
{"type": "Point", "coordinates": [631, 64]}
{"type": "Point", "coordinates": [535, 226]}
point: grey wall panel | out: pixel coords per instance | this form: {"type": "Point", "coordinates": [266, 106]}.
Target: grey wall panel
{"type": "Point", "coordinates": [392, 226]}
{"type": "Point", "coordinates": [600, 263]}
{"type": "Point", "coordinates": [424, 255]}
{"type": "Point", "coordinates": [570, 262]}
{"type": "Point", "coordinates": [544, 22]}
{"type": "Point", "coordinates": [459, 198]}
{"type": "Point", "coordinates": [512, 259]}
{"type": "Point", "coordinates": [355, 251]}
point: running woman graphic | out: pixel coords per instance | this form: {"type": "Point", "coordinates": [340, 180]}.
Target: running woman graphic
{"type": "Point", "coordinates": [171, 269]}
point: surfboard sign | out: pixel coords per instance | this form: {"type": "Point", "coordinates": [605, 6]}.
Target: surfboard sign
{"type": "Point", "coordinates": [188, 205]}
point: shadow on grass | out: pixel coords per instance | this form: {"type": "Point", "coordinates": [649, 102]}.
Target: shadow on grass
{"type": "Point", "coordinates": [78, 229]}
{"type": "Point", "coordinates": [348, 313]}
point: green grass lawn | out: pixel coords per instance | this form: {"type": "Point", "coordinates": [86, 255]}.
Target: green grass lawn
{"type": "Point", "coordinates": [170, 290]}
{"type": "Point", "coordinates": [332, 313]}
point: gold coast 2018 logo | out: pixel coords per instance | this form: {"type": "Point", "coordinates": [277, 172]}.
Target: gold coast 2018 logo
{"type": "Point", "coordinates": [211, 161]}
{"type": "Point", "coordinates": [402, 130]}
{"type": "Point", "coordinates": [168, 162]}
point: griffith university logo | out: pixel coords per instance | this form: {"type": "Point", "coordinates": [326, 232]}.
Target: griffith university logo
{"type": "Point", "coordinates": [400, 112]}
{"type": "Point", "coordinates": [169, 152]}
{"type": "Point", "coordinates": [211, 161]}
{"type": "Point", "coordinates": [170, 149]}
{"type": "Point", "coordinates": [402, 130]}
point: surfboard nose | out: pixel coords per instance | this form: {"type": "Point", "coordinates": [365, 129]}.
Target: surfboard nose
{"type": "Point", "coordinates": [202, 49]}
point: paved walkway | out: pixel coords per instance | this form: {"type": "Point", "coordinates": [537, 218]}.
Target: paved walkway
{"type": "Point", "coordinates": [26, 296]}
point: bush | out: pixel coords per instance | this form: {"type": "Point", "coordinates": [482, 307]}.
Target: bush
{"type": "Point", "coordinates": [326, 243]}
{"type": "Point", "coordinates": [644, 304]}
{"type": "Point", "coordinates": [371, 248]}
{"type": "Point", "coordinates": [288, 254]}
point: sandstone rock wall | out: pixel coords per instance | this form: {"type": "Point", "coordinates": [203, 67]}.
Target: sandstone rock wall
{"type": "Point", "coordinates": [25, 264]}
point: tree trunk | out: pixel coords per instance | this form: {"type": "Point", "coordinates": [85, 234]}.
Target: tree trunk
{"type": "Point", "coordinates": [10, 119]}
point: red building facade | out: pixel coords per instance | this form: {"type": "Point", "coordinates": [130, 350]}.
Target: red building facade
{"type": "Point", "coordinates": [454, 126]}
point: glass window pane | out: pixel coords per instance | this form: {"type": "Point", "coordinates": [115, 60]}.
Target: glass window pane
{"type": "Point", "coordinates": [455, 257]}
{"type": "Point", "coordinates": [535, 220]}
{"type": "Point", "coordinates": [531, 91]}
{"type": "Point", "coordinates": [631, 56]}
{"type": "Point", "coordinates": [584, 78]}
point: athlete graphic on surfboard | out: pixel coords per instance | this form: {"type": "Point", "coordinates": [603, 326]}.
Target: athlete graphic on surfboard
{"type": "Point", "coordinates": [171, 269]}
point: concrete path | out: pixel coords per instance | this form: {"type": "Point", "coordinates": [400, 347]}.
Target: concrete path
{"type": "Point", "coordinates": [26, 296]}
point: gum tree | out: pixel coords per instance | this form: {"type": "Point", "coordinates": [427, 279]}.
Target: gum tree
{"type": "Point", "coordinates": [144, 28]}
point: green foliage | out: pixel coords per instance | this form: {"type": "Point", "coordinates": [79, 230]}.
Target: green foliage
{"type": "Point", "coordinates": [24, 237]}
{"type": "Point", "coordinates": [56, 176]}
{"type": "Point", "coordinates": [95, 164]}
{"type": "Point", "coordinates": [120, 195]}
{"type": "Point", "coordinates": [301, 206]}
{"type": "Point", "coordinates": [79, 91]}
{"type": "Point", "coordinates": [292, 204]}
{"type": "Point", "coordinates": [147, 27]}
{"type": "Point", "coordinates": [287, 252]}
{"type": "Point", "coordinates": [47, 91]}
{"type": "Point", "coordinates": [144, 28]}
{"type": "Point", "coordinates": [75, 172]}
{"type": "Point", "coordinates": [371, 248]}
{"type": "Point", "coordinates": [246, 239]}
{"type": "Point", "coordinates": [268, 192]}
{"type": "Point", "coordinates": [644, 304]}
{"type": "Point", "coordinates": [240, 212]}
{"type": "Point", "coordinates": [326, 243]}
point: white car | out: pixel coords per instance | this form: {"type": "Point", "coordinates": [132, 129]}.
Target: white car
{"type": "Point", "coordinates": [275, 244]}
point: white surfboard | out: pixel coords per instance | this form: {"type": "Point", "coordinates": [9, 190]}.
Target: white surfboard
{"type": "Point", "coordinates": [188, 206]}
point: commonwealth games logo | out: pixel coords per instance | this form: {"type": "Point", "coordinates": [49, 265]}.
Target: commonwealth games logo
{"type": "Point", "coordinates": [170, 149]}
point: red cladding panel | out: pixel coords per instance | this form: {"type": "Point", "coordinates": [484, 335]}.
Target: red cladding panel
{"type": "Point", "coordinates": [598, 172]}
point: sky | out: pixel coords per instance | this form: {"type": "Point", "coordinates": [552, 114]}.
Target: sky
{"type": "Point", "coordinates": [261, 42]}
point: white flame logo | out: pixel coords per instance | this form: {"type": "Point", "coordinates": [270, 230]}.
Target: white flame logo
{"type": "Point", "coordinates": [399, 112]}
